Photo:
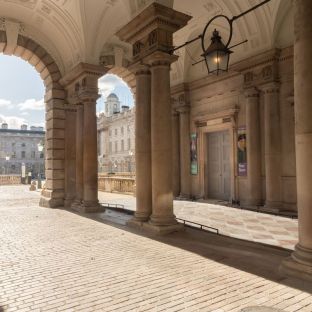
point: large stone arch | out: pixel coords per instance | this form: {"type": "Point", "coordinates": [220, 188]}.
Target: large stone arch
{"type": "Point", "coordinates": [43, 62]}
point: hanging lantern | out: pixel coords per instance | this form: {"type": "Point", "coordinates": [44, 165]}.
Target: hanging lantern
{"type": "Point", "coordinates": [217, 55]}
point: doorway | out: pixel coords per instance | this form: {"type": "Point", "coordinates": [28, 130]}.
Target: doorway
{"type": "Point", "coordinates": [218, 166]}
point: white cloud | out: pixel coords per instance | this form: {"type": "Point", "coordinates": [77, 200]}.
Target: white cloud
{"type": "Point", "coordinates": [14, 122]}
{"type": "Point", "coordinates": [108, 83]}
{"type": "Point", "coordinates": [31, 104]}
{"type": "Point", "coordinates": [5, 103]}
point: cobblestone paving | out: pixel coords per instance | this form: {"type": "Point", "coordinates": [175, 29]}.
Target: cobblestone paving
{"type": "Point", "coordinates": [243, 224]}
{"type": "Point", "coordinates": [56, 260]}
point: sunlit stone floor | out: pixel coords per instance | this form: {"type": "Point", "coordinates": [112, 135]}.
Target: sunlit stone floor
{"type": "Point", "coordinates": [57, 260]}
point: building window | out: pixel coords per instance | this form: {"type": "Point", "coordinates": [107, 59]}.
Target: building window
{"type": "Point", "coordinates": [122, 130]}
{"type": "Point", "coordinates": [129, 144]}
{"type": "Point", "coordinates": [23, 154]}
{"type": "Point", "coordinates": [116, 131]}
{"type": "Point", "coordinates": [110, 132]}
{"type": "Point", "coordinates": [33, 154]}
{"type": "Point", "coordinates": [110, 147]}
{"type": "Point", "coordinates": [116, 150]}
{"type": "Point", "coordinates": [23, 144]}
{"type": "Point", "coordinates": [122, 145]}
{"type": "Point", "coordinates": [14, 155]}
{"type": "Point", "coordinates": [41, 155]}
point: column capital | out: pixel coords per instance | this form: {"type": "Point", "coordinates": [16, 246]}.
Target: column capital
{"type": "Point", "coordinates": [160, 58]}
{"type": "Point", "coordinates": [271, 87]}
{"type": "Point", "coordinates": [185, 109]}
{"type": "Point", "coordinates": [139, 69]}
{"type": "Point", "coordinates": [251, 92]}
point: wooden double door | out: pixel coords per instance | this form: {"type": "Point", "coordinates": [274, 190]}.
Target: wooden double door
{"type": "Point", "coordinates": [218, 172]}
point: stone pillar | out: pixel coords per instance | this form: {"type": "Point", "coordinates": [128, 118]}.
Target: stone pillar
{"type": "Point", "coordinates": [254, 188]}
{"type": "Point", "coordinates": [70, 155]}
{"type": "Point", "coordinates": [90, 161]}
{"type": "Point", "coordinates": [175, 153]}
{"type": "Point", "coordinates": [151, 33]}
{"type": "Point", "coordinates": [272, 153]}
{"type": "Point", "coordinates": [82, 90]}
{"type": "Point", "coordinates": [143, 144]}
{"type": "Point", "coordinates": [300, 264]}
{"type": "Point", "coordinates": [161, 132]}
{"type": "Point", "coordinates": [185, 158]}
{"type": "Point", "coordinates": [79, 158]}
{"type": "Point", "coordinates": [52, 195]}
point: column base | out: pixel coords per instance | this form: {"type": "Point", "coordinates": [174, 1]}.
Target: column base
{"type": "Point", "coordinates": [141, 217]}
{"type": "Point", "coordinates": [251, 204]}
{"type": "Point", "coordinates": [155, 229]}
{"type": "Point", "coordinates": [51, 202]}
{"type": "Point", "coordinates": [274, 207]}
{"type": "Point", "coordinates": [299, 265]}
{"type": "Point", "coordinates": [163, 221]}
{"type": "Point", "coordinates": [184, 197]}
{"type": "Point", "coordinates": [87, 207]}
{"type": "Point", "coordinates": [68, 202]}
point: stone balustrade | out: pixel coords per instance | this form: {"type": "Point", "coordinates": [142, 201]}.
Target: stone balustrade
{"type": "Point", "coordinates": [10, 179]}
{"type": "Point", "coordinates": [116, 184]}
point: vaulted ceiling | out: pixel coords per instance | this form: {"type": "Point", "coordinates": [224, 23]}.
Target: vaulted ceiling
{"type": "Point", "coordinates": [74, 31]}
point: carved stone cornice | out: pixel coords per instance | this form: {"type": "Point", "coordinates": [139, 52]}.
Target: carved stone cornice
{"type": "Point", "coordinates": [152, 30]}
{"type": "Point", "coordinates": [251, 92]}
{"type": "Point", "coordinates": [271, 87]}
{"type": "Point", "coordinates": [139, 69]}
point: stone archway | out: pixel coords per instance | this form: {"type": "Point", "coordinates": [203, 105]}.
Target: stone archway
{"type": "Point", "coordinates": [27, 49]}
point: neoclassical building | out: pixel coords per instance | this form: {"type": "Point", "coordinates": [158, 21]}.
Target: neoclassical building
{"type": "Point", "coordinates": [244, 135]}
{"type": "Point", "coordinates": [116, 137]}
{"type": "Point", "coordinates": [20, 146]}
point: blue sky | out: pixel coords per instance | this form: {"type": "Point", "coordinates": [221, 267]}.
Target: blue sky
{"type": "Point", "coordinates": [22, 92]}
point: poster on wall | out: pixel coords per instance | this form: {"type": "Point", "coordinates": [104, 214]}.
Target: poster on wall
{"type": "Point", "coordinates": [194, 162]}
{"type": "Point", "coordinates": [242, 151]}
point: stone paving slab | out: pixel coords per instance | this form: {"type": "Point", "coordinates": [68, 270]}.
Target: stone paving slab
{"type": "Point", "coordinates": [57, 260]}
{"type": "Point", "coordinates": [233, 222]}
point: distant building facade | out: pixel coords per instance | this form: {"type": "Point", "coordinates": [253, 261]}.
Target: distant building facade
{"type": "Point", "coordinates": [18, 146]}
{"type": "Point", "coordinates": [116, 137]}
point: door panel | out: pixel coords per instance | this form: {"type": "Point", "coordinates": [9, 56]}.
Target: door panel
{"type": "Point", "coordinates": [218, 169]}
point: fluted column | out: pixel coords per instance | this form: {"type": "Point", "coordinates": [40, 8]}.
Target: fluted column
{"type": "Point", "coordinates": [300, 265]}
{"type": "Point", "coordinates": [161, 133]}
{"type": "Point", "coordinates": [254, 188]}
{"type": "Point", "coordinates": [272, 153]}
{"type": "Point", "coordinates": [185, 186]}
{"type": "Point", "coordinates": [143, 144]}
{"type": "Point", "coordinates": [175, 153]}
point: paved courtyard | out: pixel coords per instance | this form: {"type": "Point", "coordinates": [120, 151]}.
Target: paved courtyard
{"type": "Point", "coordinates": [57, 260]}
{"type": "Point", "coordinates": [233, 222]}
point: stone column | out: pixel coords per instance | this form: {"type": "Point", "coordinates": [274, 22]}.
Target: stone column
{"type": "Point", "coordinates": [161, 132]}
{"type": "Point", "coordinates": [143, 144]}
{"type": "Point", "coordinates": [300, 264]}
{"type": "Point", "coordinates": [254, 188]}
{"type": "Point", "coordinates": [151, 33]}
{"type": "Point", "coordinates": [70, 155]}
{"type": "Point", "coordinates": [272, 154]}
{"type": "Point", "coordinates": [79, 158]}
{"type": "Point", "coordinates": [185, 158]}
{"type": "Point", "coordinates": [82, 90]}
{"type": "Point", "coordinates": [175, 153]}
{"type": "Point", "coordinates": [90, 162]}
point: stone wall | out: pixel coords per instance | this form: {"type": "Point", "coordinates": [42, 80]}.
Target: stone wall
{"type": "Point", "coordinates": [116, 184]}
{"type": "Point", "coordinates": [10, 179]}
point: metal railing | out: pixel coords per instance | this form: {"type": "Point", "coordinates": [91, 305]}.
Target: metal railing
{"type": "Point", "coordinates": [199, 226]}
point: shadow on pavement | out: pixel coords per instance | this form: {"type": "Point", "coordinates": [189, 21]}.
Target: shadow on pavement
{"type": "Point", "coordinates": [255, 258]}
